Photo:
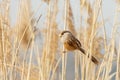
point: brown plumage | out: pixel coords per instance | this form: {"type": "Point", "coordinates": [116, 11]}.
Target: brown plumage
{"type": "Point", "coordinates": [71, 43]}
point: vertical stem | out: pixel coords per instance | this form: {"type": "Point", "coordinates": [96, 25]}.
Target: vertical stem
{"type": "Point", "coordinates": [30, 61]}
{"type": "Point", "coordinates": [64, 56]}
{"type": "Point", "coordinates": [118, 63]}
{"type": "Point", "coordinates": [46, 73]}
{"type": "Point", "coordinates": [76, 66]}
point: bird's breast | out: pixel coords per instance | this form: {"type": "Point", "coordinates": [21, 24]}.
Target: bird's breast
{"type": "Point", "coordinates": [69, 47]}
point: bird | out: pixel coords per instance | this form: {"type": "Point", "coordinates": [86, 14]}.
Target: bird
{"type": "Point", "coordinates": [71, 43]}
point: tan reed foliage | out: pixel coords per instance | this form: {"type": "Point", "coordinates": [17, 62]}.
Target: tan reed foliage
{"type": "Point", "coordinates": [91, 41]}
{"type": "Point", "coordinates": [25, 25]}
{"type": "Point", "coordinates": [23, 33]}
{"type": "Point", "coordinates": [51, 41]}
{"type": "Point", "coordinates": [34, 72]}
{"type": "Point", "coordinates": [92, 30]}
{"type": "Point", "coordinates": [13, 66]}
{"type": "Point", "coordinates": [5, 44]}
{"type": "Point", "coordinates": [70, 19]}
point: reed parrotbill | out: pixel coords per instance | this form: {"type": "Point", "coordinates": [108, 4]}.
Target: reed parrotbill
{"type": "Point", "coordinates": [71, 43]}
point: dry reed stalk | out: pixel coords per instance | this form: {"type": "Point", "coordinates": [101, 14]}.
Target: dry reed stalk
{"type": "Point", "coordinates": [24, 33]}
{"type": "Point", "coordinates": [71, 28]}
{"type": "Point", "coordinates": [112, 45]}
{"type": "Point", "coordinates": [5, 44]}
{"type": "Point", "coordinates": [109, 53]}
{"type": "Point", "coordinates": [101, 67]}
{"type": "Point", "coordinates": [45, 58]}
{"type": "Point", "coordinates": [118, 64]}
{"type": "Point", "coordinates": [40, 76]}
{"type": "Point", "coordinates": [64, 56]}
{"type": "Point", "coordinates": [24, 23]}
{"type": "Point", "coordinates": [91, 36]}
{"type": "Point", "coordinates": [48, 63]}
{"type": "Point", "coordinates": [54, 37]}
{"type": "Point", "coordinates": [89, 30]}
{"type": "Point", "coordinates": [51, 42]}
{"type": "Point", "coordinates": [118, 50]}
{"type": "Point", "coordinates": [34, 70]}
{"type": "Point", "coordinates": [43, 63]}
{"type": "Point", "coordinates": [30, 61]}
{"type": "Point", "coordinates": [70, 19]}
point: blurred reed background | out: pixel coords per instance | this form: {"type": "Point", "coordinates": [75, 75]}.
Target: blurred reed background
{"type": "Point", "coordinates": [30, 48]}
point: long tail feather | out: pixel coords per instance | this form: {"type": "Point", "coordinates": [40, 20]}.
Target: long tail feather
{"type": "Point", "coordinates": [94, 60]}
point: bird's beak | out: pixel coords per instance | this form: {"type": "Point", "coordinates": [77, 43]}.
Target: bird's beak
{"type": "Point", "coordinates": [60, 35]}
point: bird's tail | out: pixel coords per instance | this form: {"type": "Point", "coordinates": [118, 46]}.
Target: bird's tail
{"type": "Point", "coordinates": [82, 50]}
{"type": "Point", "coordinates": [94, 60]}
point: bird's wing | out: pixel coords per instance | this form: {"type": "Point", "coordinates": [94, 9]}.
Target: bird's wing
{"type": "Point", "coordinates": [78, 42]}
{"type": "Point", "coordinates": [74, 42]}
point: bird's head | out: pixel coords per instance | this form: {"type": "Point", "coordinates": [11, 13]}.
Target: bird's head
{"type": "Point", "coordinates": [64, 33]}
